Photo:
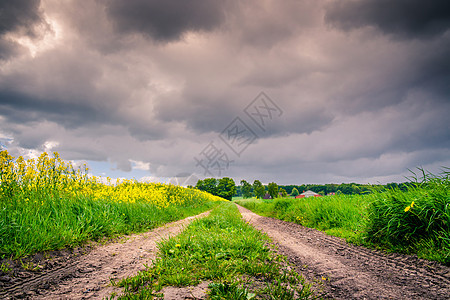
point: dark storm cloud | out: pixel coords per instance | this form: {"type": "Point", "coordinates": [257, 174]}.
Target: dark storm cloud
{"type": "Point", "coordinates": [434, 67]}
{"type": "Point", "coordinates": [401, 18]}
{"type": "Point", "coordinates": [146, 132]}
{"type": "Point", "coordinates": [424, 126]}
{"type": "Point", "coordinates": [18, 16]}
{"type": "Point", "coordinates": [7, 48]}
{"type": "Point", "coordinates": [204, 112]}
{"type": "Point", "coordinates": [165, 20]}
{"type": "Point", "coordinates": [265, 24]}
{"type": "Point", "coordinates": [394, 72]}
{"type": "Point", "coordinates": [19, 108]}
{"type": "Point", "coordinates": [156, 81]}
{"type": "Point", "coordinates": [200, 113]}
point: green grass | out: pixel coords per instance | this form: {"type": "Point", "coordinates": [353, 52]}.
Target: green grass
{"type": "Point", "coordinates": [414, 222]}
{"type": "Point", "coordinates": [340, 215]}
{"type": "Point", "coordinates": [220, 248]}
{"type": "Point", "coordinates": [30, 227]}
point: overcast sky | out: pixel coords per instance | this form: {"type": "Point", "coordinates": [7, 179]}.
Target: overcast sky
{"type": "Point", "coordinates": [292, 91]}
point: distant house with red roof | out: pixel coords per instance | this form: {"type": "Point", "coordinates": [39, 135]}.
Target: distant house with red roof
{"type": "Point", "coordinates": [308, 194]}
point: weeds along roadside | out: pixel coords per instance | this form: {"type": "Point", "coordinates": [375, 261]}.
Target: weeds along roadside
{"type": "Point", "coordinates": [416, 221]}
{"type": "Point", "coordinates": [47, 204]}
{"type": "Point", "coordinates": [224, 250]}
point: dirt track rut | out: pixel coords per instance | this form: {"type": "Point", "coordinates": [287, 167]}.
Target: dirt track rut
{"type": "Point", "coordinates": [88, 276]}
{"type": "Point", "coordinates": [354, 272]}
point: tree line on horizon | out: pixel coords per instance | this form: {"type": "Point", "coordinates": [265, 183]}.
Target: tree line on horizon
{"type": "Point", "coordinates": [247, 190]}
{"type": "Point", "coordinates": [226, 188]}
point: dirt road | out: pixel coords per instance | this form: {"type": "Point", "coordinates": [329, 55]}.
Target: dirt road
{"type": "Point", "coordinates": [347, 271]}
{"type": "Point", "coordinates": [88, 276]}
{"type": "Point", "coordinates": [353, 272]}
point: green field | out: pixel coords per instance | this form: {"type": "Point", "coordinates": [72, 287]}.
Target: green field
{"type": "Point", "coordinates": [414, 222]}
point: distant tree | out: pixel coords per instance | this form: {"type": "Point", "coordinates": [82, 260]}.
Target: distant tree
{"type": "Point", "coordinates": [226, 188]}
{"type": "Point", "coordinates": [392, 186]}
{"type": "Point", "coordinates": [355, 189]}
{"type": "Point", "coordinates": [303, 188]}
{"type": "Point", "coordinates": [404, 186]}
{"type": "Point", "coordinates": [330, 188]}
{"type": "Point", "coordinates": [246, 189]}
{"type": "Point", "coordinates": [208, 185]}
{"type": "Point", "coordinates": [346, 188]}
{"type": "Point", "coordinates": [283, 192]}
{"type": "Point", "coordinates": [199, 185]}
{"type": "Point", "coordinates": [258, 189]}
{"type": "Point", "coordinates": [238, 191]}
{"type": "Point", "coordinates": [294, 192]}
{"type": "Point", "coordinates": [273, 190]}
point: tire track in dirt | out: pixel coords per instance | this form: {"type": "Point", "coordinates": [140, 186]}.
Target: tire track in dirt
{"type": "Point", "coordinates": [354, 272]}
{"type": "Point", "coordinates": [88, 276]}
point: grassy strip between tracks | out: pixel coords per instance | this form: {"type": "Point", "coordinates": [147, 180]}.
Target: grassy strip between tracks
{"type": "Point", "coordinates": [225, 251]}
{"type": "Point", "coordinates": [414, 222]}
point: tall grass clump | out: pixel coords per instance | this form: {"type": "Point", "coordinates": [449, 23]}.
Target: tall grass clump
{"type": "Point", "coordinates": [416, 221]}
{"type": "Point", "coordinates": [47, 204]}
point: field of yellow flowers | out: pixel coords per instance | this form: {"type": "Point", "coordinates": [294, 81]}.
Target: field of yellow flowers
{"type": "Point", "coordinates": [47, 204]}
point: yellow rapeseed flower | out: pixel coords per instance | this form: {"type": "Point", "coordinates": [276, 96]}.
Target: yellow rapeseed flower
{"type": "Point", "coordinates": [51, 174]}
